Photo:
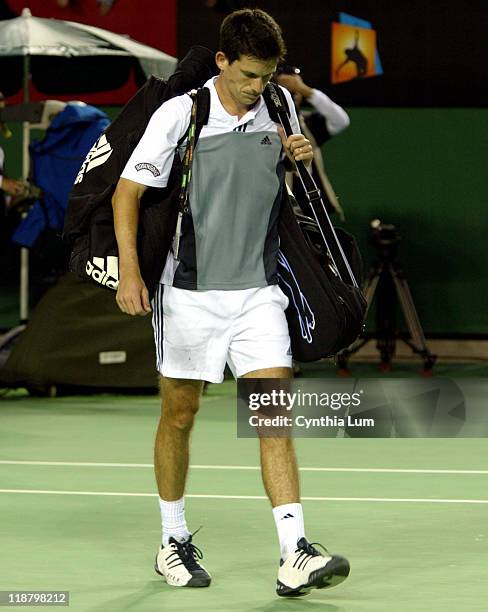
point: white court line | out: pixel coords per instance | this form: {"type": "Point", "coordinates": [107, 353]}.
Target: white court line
{"type": "Point", "coordinates": [246, 497]}
{"type": "Point", "coordinates": [244, 467]}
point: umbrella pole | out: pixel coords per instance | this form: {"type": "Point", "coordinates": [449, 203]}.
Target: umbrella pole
{"type": "Point", "coordinates": [24, 253]}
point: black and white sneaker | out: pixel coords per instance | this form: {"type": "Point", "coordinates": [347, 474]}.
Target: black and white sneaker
{"type": "Point", "coordinates": [178, 564]}
{"type": "Point", "coordinates": [308, 569]}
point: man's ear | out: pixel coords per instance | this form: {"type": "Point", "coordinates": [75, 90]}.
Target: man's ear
{"type": "Point", "coordinates": [221, 60]}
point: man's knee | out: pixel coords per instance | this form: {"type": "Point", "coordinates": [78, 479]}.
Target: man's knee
{"type": "Point", "coordinates": [180, 401]}
{"type": "Point", "coordinates": [180, 412]}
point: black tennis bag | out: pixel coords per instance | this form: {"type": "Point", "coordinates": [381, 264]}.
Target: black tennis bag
{"type": "Point", "coordinates": [318, 267]}
{"type": "Point", "coordinates": [88, 226]}
{"type": "Point", "coordinates": [325, 314]}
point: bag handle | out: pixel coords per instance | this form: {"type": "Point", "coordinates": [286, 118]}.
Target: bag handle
{"type": "Point", "coordinates": [186, 172]}
{"type": "Point", "coordinates": [277, 106]}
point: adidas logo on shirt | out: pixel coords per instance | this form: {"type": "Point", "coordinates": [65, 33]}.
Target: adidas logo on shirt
{"type": "Point", "coordinates": [266, 141]}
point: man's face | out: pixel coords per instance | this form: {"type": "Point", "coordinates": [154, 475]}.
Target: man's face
{"type": "Point", "coordinates": [246, 77]}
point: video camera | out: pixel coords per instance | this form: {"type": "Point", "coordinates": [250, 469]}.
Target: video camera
{"type": "Point", "coordinates": [383, 234]}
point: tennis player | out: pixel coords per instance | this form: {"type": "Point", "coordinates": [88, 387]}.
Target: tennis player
{"type": "Point", "coordinates": [219, 301]}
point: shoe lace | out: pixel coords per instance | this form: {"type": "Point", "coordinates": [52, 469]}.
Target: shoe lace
{"type": "Point", "coordinates": [309, 550]}
{"type": "Point", "coordinates": [313, 551]}
{"type": "Point", "coordinates": [189, 553]}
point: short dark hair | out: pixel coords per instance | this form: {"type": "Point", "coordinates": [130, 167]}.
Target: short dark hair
{"type": "Point", "coordinates": [251, 32]}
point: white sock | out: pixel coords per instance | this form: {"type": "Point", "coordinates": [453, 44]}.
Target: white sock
{"type": "Point", "coordinates": [289, 523]}
{"type": "Point", "coordinates": [173, 520]}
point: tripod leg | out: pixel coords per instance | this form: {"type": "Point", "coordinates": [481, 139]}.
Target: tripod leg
{"type": "Point", "coordinates": [370, 287]}
{"type": "Point", "coordinates": [418, 343]}
{"type": "Point", "coordinates": [386, 319]}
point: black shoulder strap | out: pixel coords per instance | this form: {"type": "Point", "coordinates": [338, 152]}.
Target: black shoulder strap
{"type": "Point", "coordinates": [203, 108]}
{"type": "Point", "coordinates": [200, 111]}
{"type": "Point", "coordinates": [277, 108]}
{"type": "Point", "coordinates": [200, 97]}
{"type": "Point", "coordinates": [275, 101]}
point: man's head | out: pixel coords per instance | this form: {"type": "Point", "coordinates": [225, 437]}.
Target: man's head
{"type": "Point", "coordinates": [251, 45]}
{"type": "Point", "coordinates": [251, 32]}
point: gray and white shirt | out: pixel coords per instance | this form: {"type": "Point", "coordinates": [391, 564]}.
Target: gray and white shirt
{"type": "Point", "coordinates": [230, 238]}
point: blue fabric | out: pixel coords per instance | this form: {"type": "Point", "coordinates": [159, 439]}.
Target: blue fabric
{"type": "Point", "coordinates": [56, 161]}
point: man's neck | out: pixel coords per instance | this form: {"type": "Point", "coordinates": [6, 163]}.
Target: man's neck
{"type": "Point", "coordinates": [232, 106]}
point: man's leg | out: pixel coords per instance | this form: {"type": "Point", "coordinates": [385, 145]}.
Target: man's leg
{"type": "Point", "coordinates": [278, 461]}
{"type": "Point", "coordinates": [279, 471]}
{"type": "Point", "coordinates": [302, 566]}
{"type": "Point", "coordinates": [177, 559]}
{"type": "Point", "coordinates": [180, 401]}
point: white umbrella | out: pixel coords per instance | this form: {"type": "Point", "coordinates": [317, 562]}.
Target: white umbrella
{"type": "Point", "coordinates": [73, 58]}
{"type": "Point", "coordinates": [54, 39]}
{"type": "Point", "coordinates": [57, 44]}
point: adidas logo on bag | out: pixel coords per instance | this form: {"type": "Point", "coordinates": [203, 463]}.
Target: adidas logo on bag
{"type": "Point", "coordinates": [107, 277]}
{"type": "Point", "coordinates": [96, 156]}
{"type": "Point", "coordinates": [266, 141]}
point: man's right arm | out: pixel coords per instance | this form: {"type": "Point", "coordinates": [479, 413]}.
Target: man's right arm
{"type": "Point", "coordinates": [148, 166]}
{"type": "Point", "coordinates": [132, 294]}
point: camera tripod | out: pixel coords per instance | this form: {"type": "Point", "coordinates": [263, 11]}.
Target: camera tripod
{"type": "Point", "coordinates": [386, 279]}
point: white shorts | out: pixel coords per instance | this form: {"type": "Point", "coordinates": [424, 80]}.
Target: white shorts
{"type": "Point", "coordinates": [197, 332]}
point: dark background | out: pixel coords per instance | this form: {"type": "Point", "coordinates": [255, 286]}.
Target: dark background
{"type": "Point", "coordinates": [434, 52]}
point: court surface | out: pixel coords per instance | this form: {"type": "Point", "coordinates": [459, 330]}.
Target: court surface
{"type": "Point", "coordinates": [79, 512]}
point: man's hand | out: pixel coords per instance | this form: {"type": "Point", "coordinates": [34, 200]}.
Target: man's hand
{"type": "Point", "coordinates": [297, 147]}
{"type": "Point", "coordinates": [13, 187]}
{"type": "Point", "coordinates": [132, 295]}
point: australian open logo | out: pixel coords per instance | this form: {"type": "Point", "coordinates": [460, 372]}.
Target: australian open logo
{"type": "Point", "coordinates": [145, 166]}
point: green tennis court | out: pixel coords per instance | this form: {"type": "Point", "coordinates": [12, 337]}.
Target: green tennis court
{"type": "Point", "coordinates": [79, 511]}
